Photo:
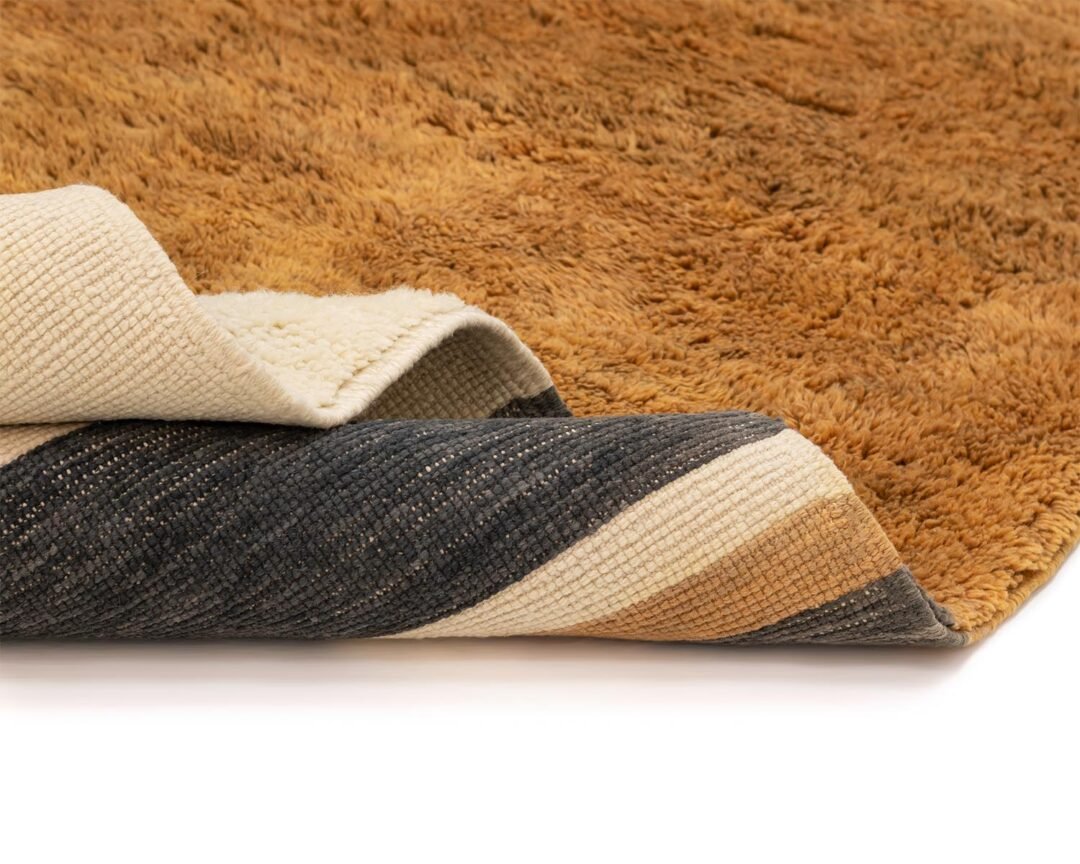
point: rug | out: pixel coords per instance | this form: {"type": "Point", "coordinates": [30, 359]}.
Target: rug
{"type": "Point", "coordinates": [860, 219]}
{"type": "Point", "coordinates": [488, 512]}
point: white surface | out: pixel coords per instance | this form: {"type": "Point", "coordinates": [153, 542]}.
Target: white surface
{"type": "Point", "coordinates": [546, 750]}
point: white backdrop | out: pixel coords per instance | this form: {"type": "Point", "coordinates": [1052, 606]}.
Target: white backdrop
{"type": "Point", "coordinates": [545, 750]}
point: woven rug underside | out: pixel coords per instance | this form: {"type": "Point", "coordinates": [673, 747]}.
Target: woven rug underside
{"type": "Point", "coordinates": [276, 491]}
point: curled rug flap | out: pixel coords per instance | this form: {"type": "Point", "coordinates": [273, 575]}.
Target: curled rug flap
{"type": "Point", "coordinates": [487, 512]}
{"type": "Point", "coordinates": [97, 324]}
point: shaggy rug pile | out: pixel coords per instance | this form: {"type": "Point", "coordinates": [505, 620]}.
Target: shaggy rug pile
{"type": "Point", "coordinates": [861, 219]}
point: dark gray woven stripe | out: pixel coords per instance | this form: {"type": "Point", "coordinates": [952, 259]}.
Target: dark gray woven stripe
{"type": "Point", "coordinates": [222, 530]}
{"type": "Point", "coordinates": [893, 610]}
{"type": "Point", "coordinates": [547, 403]}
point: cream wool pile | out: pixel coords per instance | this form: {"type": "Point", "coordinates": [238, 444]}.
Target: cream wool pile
{"type": "Point", "coordinates": [489, 512]}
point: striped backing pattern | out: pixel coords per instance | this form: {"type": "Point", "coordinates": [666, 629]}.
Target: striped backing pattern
{"type": "Point", "coordinates": [438, 489]}
{"type": "Point", "coordinates": [697, 527]}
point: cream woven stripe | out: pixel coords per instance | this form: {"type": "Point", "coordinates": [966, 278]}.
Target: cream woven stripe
{"type": "Point", "coordinates": [668, 536]}
{"type": "Point", "coordinates": [16, 440]}
{"type": "Point", "coordinates": [96, 324]}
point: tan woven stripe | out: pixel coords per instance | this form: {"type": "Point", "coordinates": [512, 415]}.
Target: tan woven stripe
{"type": "Point", "coordinates": [681, 530]}
{"type": "Point", "coordinates": [17, 440]}
{"type": "Point", "coordinates": [814, 556]}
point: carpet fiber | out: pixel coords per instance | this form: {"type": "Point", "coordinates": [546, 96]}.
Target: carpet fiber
{"type": "Point", "coordinates": [862, 218]}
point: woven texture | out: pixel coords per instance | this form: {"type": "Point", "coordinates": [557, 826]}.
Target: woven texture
{"type": "Point", "coordinates": [487, 513]}
{"type": "Point", "coordinates": [97, 324]}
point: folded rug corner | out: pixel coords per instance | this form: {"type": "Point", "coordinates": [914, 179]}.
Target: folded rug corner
{"type": "Point", "coordinates": [397, 465]}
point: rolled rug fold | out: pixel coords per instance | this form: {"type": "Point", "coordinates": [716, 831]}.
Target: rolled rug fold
{"type": "Point", "coordinates": [265, 465]}
{"type": "Point", "coordinates": [682, 527]}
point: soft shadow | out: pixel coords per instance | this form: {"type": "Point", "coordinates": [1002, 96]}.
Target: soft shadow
{"type": "Point", "coordinates": [477, 662]}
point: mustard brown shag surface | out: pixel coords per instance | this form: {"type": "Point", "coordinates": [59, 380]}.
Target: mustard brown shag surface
{"type": "Point", "coordinates": [860, 218]}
